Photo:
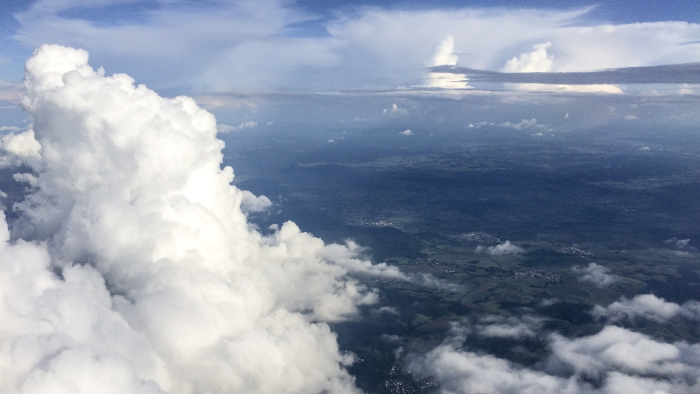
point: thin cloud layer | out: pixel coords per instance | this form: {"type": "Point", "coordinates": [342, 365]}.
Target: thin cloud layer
{"type": "Point", "coordinates": [133, 267]}
{"type": "Point", "coordinates": [536, 70]}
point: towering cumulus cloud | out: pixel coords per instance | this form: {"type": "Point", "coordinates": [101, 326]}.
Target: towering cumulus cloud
{"type": "Point", "coordinates": [133, 269]}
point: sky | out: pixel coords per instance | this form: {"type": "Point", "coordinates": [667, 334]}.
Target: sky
{"type": "Point", "coordinates": [245, 60]}
{"type": "Point", "coordinates": [271, 46]}
{"type": "Point", "coordinates": [133, 266]}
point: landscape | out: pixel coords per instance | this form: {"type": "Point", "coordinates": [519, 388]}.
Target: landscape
{"type": "Point", "coordinates": [592, 217]}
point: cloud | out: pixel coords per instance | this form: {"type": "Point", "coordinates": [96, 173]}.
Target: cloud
{"type": "Point", "coordinates": [535, 61]}
{"type": "Point", "coordinates": [224, 128]}
{"type": "Point", "coordinates": [252, 203]}
{"type": "Point", "coordinates": [133, 267]}
{"type": "Point", "coordinates": [688, 73]}
{"type": "Point", "coordinates": [394, 111]}
{"type": "Point", "coordinates": [678, 243]}
{"type": "Point", "coordinates": [466, 372]}
{"type": "Point", "coordinates": [548, 302]}
{"type": "Point", "coordinates": [506, 248]}
{"type": "Point", "coordinates": [436, 283]}
{"type": "Point", "coordinates": [509, 327]}
{"type": "Point", "coordinates": [18, 147]}
{"type": "Point", "coordinates": [596, 274]}
{"type": "Point", "coordinates": [618, 349]}
{"type": "Point", "coordinates": [538, 61]}
{"type": "Point", "coordinates": [538, 87]}
{"type": "Point", "coordinates": [443, 55]}
{"type": "Point", "coordinates": [646, 306]}
{"type": "Point", "coordinates": [526, 124]}
{"type": "Point", "coordinates": [393, 339]}
{"type": "Point", "coordinates": [406, 132]}
{"type": "Point", "coordinates": [385, 310]}
{"type": "Point", "coordinates": [615, 360]}
{"type": "Point", "coordinates": [208, 48]}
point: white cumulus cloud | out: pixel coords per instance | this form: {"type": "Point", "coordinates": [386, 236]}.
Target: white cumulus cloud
{"type": "Point", "coordinates": [646, 306]}
{"type": "Point", "coordinates": [536, 61]}
{"type": "Point", "coordinates": [133, 268]}
{"type": "Point", "coordinates": [502, 249]}
{"type": "Point", "coordinates": [615, 360]}
{"type": "Point", "coordinates": [224, 128]}
{"type": "Point", "coordinates": [596, 274]}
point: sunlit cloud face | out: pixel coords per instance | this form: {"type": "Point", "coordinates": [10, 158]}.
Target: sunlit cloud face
{"type": "Point", "coordinates": [443, 55]}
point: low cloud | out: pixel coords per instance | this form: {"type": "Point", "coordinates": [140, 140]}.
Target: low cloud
{"type": "Point", "coordinates": [646, 306]}
{"type": "Point", "coordinates": [394, 111]}
{"type": "Point", "coordinates": [596, 274]}
{"type": "Point", "coordinates": [506, 248]}
{"type": "Point", "coordinates": [406, 132]}
{"type": "Point", "coordinates": [509, 327]}
{"type": "Point", "coordinates": [615, 360]}
{"type": "Point", "coordinates": [526, 124]}
{"type": "Point", "coordinates": [393, 339]}
{"type": "Point", "coordinates": [385, 310]}
{"type": "Point", "coordinates": [428, 280]}
{"type": "Point", "coordinates": [616, 353]}
{"type": "Point", "coordinates": [224, 128]}
{"type": "Point", "coordinates": [678, 243]}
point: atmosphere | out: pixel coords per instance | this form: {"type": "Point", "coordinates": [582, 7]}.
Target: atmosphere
{"type": "Point", "coordinates": [381, 197]}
